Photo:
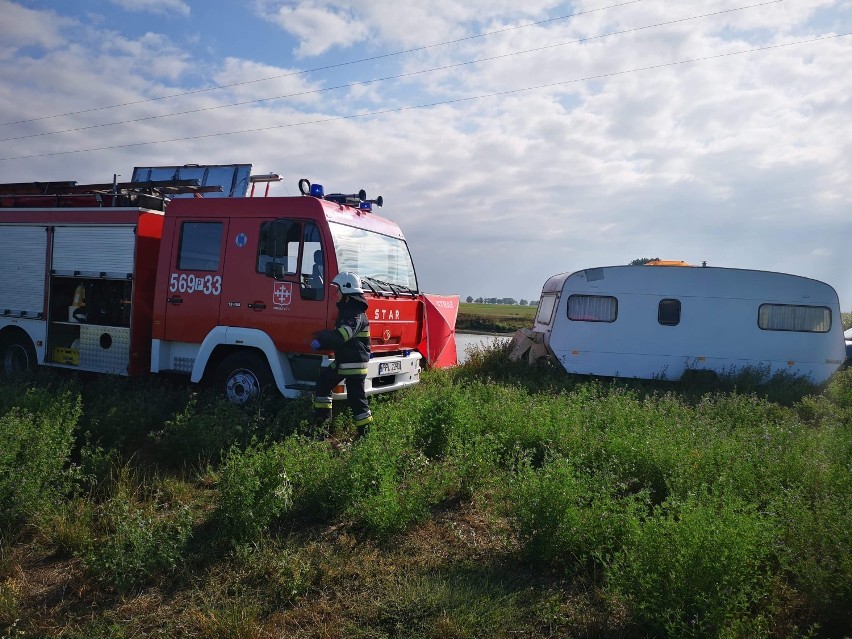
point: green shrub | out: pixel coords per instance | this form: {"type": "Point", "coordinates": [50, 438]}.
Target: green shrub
{"type": "Point", "coordinates": [569, 517]}
{"type": "Point", "coordinates": [207, 427]}
{"type": "Point", "coordinates": [391, 483]}
{"type": "Point", "coordinates": [254, 491]}
{"type": "Point", "coordinates": [839, 389]}
{"type": "Point", "coordinates": [36, 439]}
{"type": "Point", "coordinates": [317, 474]}
{"type": "Point", "coordinates": [10, 607]}
{"type": "Point", "coordinates": [815, 550]}
{"type": "Point", "coordinates": [473, 462]}
{"type": "Point", "coordinates": [695, 566]}
{"type": "Point", "coordinates": [120, 412]}
{"type": "Point", "coordinates": [274, 574]}
{"type": "Point", "coordinates": [137, 534]}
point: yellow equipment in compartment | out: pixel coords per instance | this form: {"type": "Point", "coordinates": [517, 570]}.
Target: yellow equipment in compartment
{"type": "Point", "coordinates": [63, 355]}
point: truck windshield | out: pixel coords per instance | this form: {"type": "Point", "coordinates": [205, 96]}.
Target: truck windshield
{"type": "Point", "coordinates": [376, 258]}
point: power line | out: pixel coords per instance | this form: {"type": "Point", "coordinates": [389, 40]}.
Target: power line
{"type": "Point", "coordinates": [432, 104]}
{"type": "Point", "coordinates": [330, 66]}
{"type": "Point", "coordinates": [392, 77]}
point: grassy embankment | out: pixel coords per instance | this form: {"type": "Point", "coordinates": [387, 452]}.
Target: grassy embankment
{"type": "Point", "coordinates": [494, 318]}
{"type": "Point", "coordinates": [491, 501]}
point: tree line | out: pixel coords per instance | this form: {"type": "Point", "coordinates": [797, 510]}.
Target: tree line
{"type": "Point", "coordinates": [511, 301]}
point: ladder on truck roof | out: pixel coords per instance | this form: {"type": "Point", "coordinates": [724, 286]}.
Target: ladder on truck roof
{"type": "Point", "coordinates": [149, 194]}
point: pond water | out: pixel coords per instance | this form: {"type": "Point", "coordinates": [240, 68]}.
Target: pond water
{"type": "Point", "coordinates": [476, 340]}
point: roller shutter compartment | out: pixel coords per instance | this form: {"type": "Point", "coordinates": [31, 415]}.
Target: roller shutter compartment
{"type": "Point", "coordinates": [94, 250]}
{"type": "Point", "coordinates": [23, 251]}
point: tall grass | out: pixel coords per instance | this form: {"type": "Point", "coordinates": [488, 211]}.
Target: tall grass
{"type": "Point", "coordinates": [683, 510]}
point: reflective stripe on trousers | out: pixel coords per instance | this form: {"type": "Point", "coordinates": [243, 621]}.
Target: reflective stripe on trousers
{"type": "Point", "coordinates": [356, 394]}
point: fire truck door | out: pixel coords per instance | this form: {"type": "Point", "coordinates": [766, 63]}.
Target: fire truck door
{"type": "Point", "coordinates": [195, 280]}
{"type": "Point", "coordinates": [273, 280]}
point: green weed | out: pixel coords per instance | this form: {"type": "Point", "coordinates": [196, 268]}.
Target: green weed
{"type": "Point", "coordinates": [137, 534]}
{"type": "Point", "coordinates": [391, 483]}
{"type": "Point", "coordinates": [253, 492]}
{"type": "Point", "coordinates": [203, 431]}
{"type": "Point", "coordinates": [120, 412]}
{"type": "Point", "coordinates": [694, 566]}
{"type": "Point", "coordinates": [572, 518]}
{"type": "Point", "coordinates": [36, 439]}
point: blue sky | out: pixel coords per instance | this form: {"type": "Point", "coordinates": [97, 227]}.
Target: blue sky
{"type": "Point", "coordinates": [656, 129]}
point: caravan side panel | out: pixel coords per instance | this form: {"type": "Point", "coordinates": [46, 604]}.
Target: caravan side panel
{"type": "Point", "coordinates": [716, 328]}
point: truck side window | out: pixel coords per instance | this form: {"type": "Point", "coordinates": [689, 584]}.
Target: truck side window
{"type": "Point", "coordinates": [278, 245]}
{"type": "Point", "coordinates": [200, 246]}
{"type": "Point", "coordinates": [313, 264]}
{"type": "Point", "coordinates": [668, 312]}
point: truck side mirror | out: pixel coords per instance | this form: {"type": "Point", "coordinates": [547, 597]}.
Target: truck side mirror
{"type": "Point", "coordinates": [275, 270]}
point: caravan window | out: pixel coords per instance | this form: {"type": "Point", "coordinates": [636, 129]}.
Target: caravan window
{"type": "Point", "coordinates": [592, 308]}
{"type": "Point", "coordinates": [668, 312]}
{"type": "Point", "coordinates": [545, 309]}
{"type": "Point", "coordinates": [789, 317]}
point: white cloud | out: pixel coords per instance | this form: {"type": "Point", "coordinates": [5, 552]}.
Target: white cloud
{"type": "Point", "coordinates": [161, 7]}
{"type": "Point", "coordinates": [253, 79]}
{"type": "Point", "coordinates": [318, 28]}
{"type": "Point", "coordinates": [22, 27]}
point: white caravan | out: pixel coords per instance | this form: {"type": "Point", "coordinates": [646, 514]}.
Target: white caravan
{"type": "Point", "coordinates": [658, 321]}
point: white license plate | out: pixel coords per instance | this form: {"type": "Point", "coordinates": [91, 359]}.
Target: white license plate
{"type": "Point", "coordinates": [386, 368]}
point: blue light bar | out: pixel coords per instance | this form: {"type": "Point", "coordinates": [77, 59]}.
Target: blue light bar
{"type": "Point", "coordinates": [366, 206]}
{"type": "Point", "coordinates": [317, 190]}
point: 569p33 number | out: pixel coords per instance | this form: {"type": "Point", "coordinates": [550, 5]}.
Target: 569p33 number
{"type": "Point", "coordinates": [189, 283]}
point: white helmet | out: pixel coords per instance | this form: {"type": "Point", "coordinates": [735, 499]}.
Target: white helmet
{"type": "Point", "coordinates": [348, 283]}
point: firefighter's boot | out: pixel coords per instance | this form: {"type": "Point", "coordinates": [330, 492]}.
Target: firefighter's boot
{"type": "Point", "coordinates": [322, 414]}
{"type": "Point", "coordinates": [363, 422]}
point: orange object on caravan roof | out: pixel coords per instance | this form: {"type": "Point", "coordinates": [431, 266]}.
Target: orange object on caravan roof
{"type": "Point", "coordinates": [667, 263]}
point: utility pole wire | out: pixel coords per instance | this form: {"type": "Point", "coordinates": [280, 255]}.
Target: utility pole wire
{"type": "Point", "coordinates": [330, 66]}
{"type": "Point", "coordinates": [434, 104]}
{"type": "Point", "coordinates": [391, 77]}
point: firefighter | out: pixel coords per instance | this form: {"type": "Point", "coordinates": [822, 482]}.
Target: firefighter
{"type": "Point", "coordinates": [350, 341]}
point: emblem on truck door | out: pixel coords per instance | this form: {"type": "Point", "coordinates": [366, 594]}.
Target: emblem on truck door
{"type": "Point", "coordinates": [282, 294]}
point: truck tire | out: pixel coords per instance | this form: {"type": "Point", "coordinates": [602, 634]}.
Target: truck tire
{"type": "Point", "coordinates": [17, 355]}
{"type": "Point", "coordinates": [243, 378]}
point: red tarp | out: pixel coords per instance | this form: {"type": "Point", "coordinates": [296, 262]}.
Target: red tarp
{"type": "Point", "coordinates": [439, 345]}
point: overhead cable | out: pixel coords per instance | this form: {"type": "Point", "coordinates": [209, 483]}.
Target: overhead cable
{"type": "Point", "coordinates": [330, 66]}
{"type": "Point", "coordinates": [434, 104]}
{"type": "Point", "coordinates": [391, 77]}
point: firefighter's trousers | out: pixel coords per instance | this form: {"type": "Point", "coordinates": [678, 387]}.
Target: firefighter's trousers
{"type": "Point", "coordinates": [355, 395]}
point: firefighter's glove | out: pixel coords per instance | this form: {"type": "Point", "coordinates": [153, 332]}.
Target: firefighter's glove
{"type": "Point", "coordinates": [315, 345]}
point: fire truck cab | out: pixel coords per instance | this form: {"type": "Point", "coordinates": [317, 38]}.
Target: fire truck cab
{"type": "Point", "coordinates": [189, 276]}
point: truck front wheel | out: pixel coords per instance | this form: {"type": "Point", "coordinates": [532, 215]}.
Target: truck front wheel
{"type": "Point", "coordinates": [17, 355]}
{"type": "Point", "coordinates": [243, 377]}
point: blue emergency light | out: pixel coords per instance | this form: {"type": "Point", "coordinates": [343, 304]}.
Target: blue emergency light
{"type": "Point", "coordinates": [306, 188]}
{"type": "Point", "coordinates": [365, 206]}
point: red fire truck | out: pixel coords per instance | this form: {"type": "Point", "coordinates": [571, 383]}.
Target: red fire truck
{"type": "Point", "coordinates": [183, 270]}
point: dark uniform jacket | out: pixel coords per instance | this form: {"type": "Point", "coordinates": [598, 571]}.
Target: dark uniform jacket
{"type": "Point", "coordinates": [350, 339]}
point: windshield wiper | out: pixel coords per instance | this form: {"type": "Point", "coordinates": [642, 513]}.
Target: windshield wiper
{"type": "Point", "coordinates": [396, 289]}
